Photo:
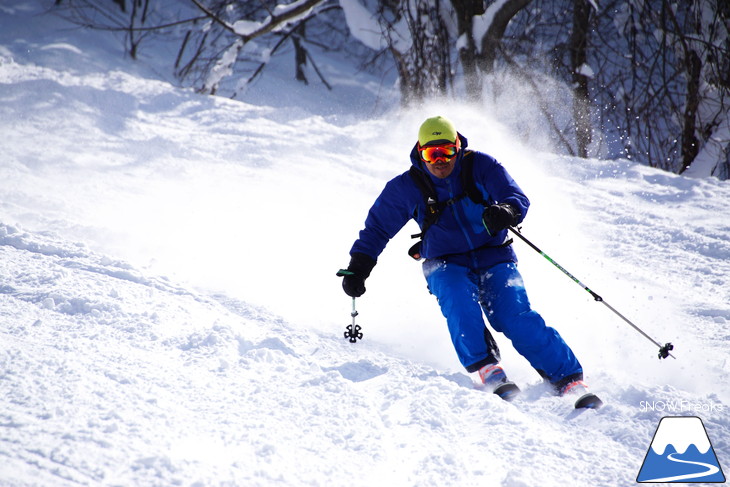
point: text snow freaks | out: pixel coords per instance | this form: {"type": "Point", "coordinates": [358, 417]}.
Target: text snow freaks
{"type": "Point", "coordinates": [681, 406]}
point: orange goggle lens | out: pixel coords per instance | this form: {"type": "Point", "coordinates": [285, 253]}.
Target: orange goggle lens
{"type": "Point", "coordinates": [433, 154]}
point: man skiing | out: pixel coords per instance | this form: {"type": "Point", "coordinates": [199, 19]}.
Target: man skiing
{"type": "Point", "coordinates": [469, 264]}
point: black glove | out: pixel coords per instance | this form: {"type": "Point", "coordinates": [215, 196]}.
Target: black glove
{"type": "Point", "coordinates": [498, 217]}
{"type": "Point", "coordinates": [356, 273]}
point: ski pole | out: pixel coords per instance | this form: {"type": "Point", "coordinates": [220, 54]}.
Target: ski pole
{"type": "Point", "coordinates": [663, 349]}
{"type": "Point", "coordinates": [353, 331]}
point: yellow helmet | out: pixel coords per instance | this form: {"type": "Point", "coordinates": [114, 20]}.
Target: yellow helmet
{"type": "Point", "coordinates": [437, 130]}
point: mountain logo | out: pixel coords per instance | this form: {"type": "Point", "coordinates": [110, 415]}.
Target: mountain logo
{"type": "Point", "coordinates": [680, 452]}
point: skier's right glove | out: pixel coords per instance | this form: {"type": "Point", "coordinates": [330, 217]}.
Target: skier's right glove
{"type": "Point", "coordinates": [354, 276]}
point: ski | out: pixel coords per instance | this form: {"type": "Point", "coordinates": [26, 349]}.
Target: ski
{"type": "Point", "coordinates": [507, 390]}
{"type": "Point", "coordinates": [588, 401]}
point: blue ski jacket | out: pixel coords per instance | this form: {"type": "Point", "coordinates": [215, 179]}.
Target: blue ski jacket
{"type": "Point", "coordinates": [459, 235]}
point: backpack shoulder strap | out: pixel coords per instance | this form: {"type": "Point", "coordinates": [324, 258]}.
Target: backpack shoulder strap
{"type": "Point", "coordinates": [427, 189]}
{"type": "Point", "coordinates": [467, 179]}
{"type": "Point", "coordinates": [425, 186]}
{"type": "Point", "coordinates": [433, 207]}
{"type": "Point", "coordinates": [423, 182]}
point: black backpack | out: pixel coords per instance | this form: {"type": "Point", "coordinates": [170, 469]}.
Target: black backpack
{"type": "Point", "coordinates": [435, 207]}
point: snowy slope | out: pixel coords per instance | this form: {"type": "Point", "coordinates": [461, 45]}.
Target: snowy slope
{"type": "Point", "coordinates": [170, 314]}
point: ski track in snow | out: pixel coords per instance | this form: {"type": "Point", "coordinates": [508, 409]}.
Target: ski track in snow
{"type": "Point", "coordinates": [232, 370]}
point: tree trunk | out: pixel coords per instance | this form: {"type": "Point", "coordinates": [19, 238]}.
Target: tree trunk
{"type": "Point", "coordinates": [578, 48]}
{"type": "Point", "coordinates": [690, 144]}
{"type": "Point", "coordinates": [466, 10]}
{"type": "Point", "coordinates": [300, 55]}
{"type": "Point", "coordinates": [493, 37]}
{"type": "Point", "coordinates": [425, 68]}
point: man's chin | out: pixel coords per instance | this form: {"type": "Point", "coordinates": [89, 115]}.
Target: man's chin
{"type": "Point", "coordinates": [441, 170]}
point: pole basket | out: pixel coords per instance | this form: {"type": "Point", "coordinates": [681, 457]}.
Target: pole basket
{"type": "Point", "coordinates": [354, 334]}
{"type": "Point", "coordinates": [664, 351]}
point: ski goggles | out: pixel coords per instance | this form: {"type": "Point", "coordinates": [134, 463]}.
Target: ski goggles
{"type": "Point", "coordinates": [435, 153]}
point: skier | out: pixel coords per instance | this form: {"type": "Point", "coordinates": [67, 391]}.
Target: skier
{"type": "Point", "coordinates": [469, 264]}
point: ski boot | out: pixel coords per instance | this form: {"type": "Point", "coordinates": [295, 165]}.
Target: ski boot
{"type": "Point", "coordinates": [578, 388]}
{"type": "Point", "coordinates": [493, 377]}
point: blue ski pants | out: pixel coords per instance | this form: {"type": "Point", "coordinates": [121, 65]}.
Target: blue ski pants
{"type": "Point", "coordinates": [499, 292]}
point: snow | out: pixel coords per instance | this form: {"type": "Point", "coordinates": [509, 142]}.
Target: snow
{"type": "Point", "coordinates": [482, 23]}
{"type": "Point", "coordinates": [711, 151]}
{"type": "Point", "coordinates": [246, 27]}
{"type": "Point", "coordinates": [585, 70]}
{"type": "Point", "coordinates": [362, 24]}
{"type": "Point", "coordinates": [171, 315]}
{"type": "Point", "coordinates": [365, 27]}
{"type": "Point", "coordinates": [688, 430]}
{"type": "Point", "coordinates": [224, 66]}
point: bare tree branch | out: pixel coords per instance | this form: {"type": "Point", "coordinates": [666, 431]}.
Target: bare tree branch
{"type": "Point", "coordinates": [271, 23]}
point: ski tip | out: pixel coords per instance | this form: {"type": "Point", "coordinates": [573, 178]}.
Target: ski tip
{"type": "Point", "coordinates": [507, 391]}
{"type": "Point", "coordinates": [588, 401]}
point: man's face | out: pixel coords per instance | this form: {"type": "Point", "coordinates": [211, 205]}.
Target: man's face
{"type": "Point", "coordinates": [440, 159]}
{"type": "Point", "coordinates": [442, 169]}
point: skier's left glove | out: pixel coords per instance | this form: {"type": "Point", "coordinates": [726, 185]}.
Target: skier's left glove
{"type": "Point", "coordinates": [498, 217]}
{"type": "Point", "coordinates": [354, 276]}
